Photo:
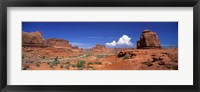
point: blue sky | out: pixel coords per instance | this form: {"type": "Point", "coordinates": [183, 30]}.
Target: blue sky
{"type": "Point", "coordinates": [88, 34]}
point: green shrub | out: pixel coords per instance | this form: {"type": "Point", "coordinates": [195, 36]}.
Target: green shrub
{"type": "Point", "coordinates": [126, 57]}
{"type": "Point", "coordinates": [99, 56]}
{"type": "Point", "coordinates": [43, 57]}
{"type": "Point", "coordinates": [51, 66]}
{"type": "Point", "coordinates": [56, 59]}
{"type": "Point", "coordinates": [80, 55]}
{"type": "Point", "coordinates": [84, 55]}
{"type": "Point", "coordinates": [61, 66]}
{"type": "Point", "coordinates": [73, 65]}
{"type": "Point", "coordinates": [87, 55]}
{"type": "Point", "coordinates": [38, 64]}
{"type": "Point", "coordinates": [22, 56]}
{"type": "Point", "coordinates": [55, 62]}
{"type": "Point", "coordinates": [67, 63]}
{"type": "Point", "coordinates": [90, 63]}
{"type": "Point", "coordinates": [148, 63]}
{"type": "Point", "coordinates": [80, 64]}
{"type": "Point", "coordinates": [26, 67]}
{"type": "Point", "coordinates": [98, 63]}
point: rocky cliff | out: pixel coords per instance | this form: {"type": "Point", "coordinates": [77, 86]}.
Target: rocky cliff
{"type": "Point", "coordinates": [54, 42]}
{"type": "Point", "coordinates": [32, 39]}
{"type": "Point", "coordinates": [99, 48]}
{"type": "Point", "coordinates": [35, 39]}
{"type": "Point", "coordinates": [148, 40]}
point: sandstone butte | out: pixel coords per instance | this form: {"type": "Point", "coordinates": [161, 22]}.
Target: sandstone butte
{"type": "Point", "coordinates": [35, 39]}
{"type": "Point", "coordinates": [58, 43]}
{"type": "Point", "coordinates": [75, 47]}
{"type": "Point", "coordinates": [32, 39]}
{"type": "Point", "coordinates": [148, 40]}
{"type": "Point", "coordinates": [99, 48]}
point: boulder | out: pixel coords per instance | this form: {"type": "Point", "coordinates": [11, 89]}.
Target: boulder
{"type": "Point", "coordinates": [121, 54]}
{"type": "Point", "coordinates": [148, 40]}
{"type": "Point", "coordinates": [128, 53]}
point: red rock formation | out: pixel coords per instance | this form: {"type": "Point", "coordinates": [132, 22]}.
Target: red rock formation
{"type": "Point", "coordinates": [35, 39]}
{"type": "Point", "coordinates": [60, 43]}
{"type": "Point", "coordinates": [127, 53]}
{"type": "Point", "coordinates": [148, 39]}
{"type": "Point", "coordinates": [75, 47]}
{"type": "Point", "coordinates": [32, 39]}
{"type": "Point", "coordinates": [99, 48]}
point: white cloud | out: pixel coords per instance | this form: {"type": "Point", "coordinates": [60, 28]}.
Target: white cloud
{"type": "Point", "coordinates": [123, 41]}
{"type": "Point", "coordinates": [113, 43]}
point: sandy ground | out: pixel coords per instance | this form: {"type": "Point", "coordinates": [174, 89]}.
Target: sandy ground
{"type": "Point", "coordinates": [65, 59]}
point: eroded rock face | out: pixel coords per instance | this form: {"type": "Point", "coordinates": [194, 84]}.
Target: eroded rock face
{"type": "Point", "coordinates": [148, 40]}
{"type": "Point", "coordinates": [54, 42]}
{"type": "Point", "coordinates": [76, 48]}
{"type": "Point", "coordinates": [35, 39]}
{"type": "Point", "coordinates": [32, 39]}
{"type": "Point", "coordinates": [99, 48]}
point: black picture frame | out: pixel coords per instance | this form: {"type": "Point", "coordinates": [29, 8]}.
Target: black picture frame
{"type": "Point", "coordinates": [99, 3]}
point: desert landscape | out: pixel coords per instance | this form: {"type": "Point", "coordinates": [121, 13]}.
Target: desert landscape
{"type": "Point", "coordinates": [58, 54]}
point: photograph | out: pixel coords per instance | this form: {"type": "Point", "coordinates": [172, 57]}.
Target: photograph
{"type": "Point", "coordinates": [107, 45]}
{"type": "Point", "coordinates": [99, 45]}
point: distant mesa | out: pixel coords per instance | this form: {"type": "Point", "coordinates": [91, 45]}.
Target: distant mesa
{"type": "Point", "coordinates": [59, 43]}
{"type": "Point", "coordinates": [75, 47]}
{"type": "Point", "coordinates": [148, 40]}
{"type": "Point", "coordinates": [99, 48]}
